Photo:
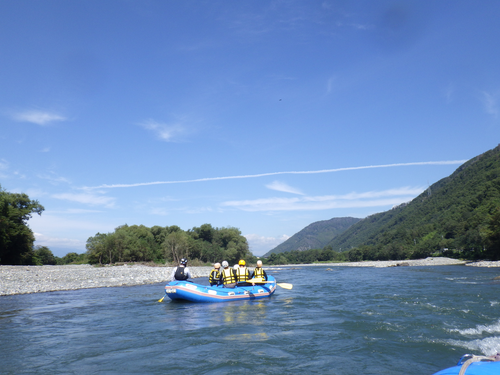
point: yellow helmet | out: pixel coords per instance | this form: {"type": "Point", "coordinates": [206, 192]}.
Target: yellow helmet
{"type": "Point", "coordinates": [241, 262]}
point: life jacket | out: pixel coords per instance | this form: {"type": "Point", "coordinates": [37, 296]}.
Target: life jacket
{"type": "Point", "coordinates": [258, 272]}
{"type": "Point", "coordinates": [242, 274]}
{"type": "Point", "coordinates": [228, 276]}
{"type": "Point", "coordinates": [214, 276]}
{"type": "Point", "coordinates": [179, 273]}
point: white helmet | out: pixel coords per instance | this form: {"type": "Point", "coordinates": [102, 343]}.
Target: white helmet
{"type": "Point", "coordinates": [225, 264]}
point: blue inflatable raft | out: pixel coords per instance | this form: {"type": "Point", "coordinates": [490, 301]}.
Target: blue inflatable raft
{"type": "Point", "coordinates": [185, 290]}
{"type": "Point", "coordinates": [474, 365]}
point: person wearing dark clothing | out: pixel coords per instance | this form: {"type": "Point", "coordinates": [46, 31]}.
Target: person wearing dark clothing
{"type": "Point", "coordinates": [215, 275]}
{"type": "Point", "coordinates": [181, 272]}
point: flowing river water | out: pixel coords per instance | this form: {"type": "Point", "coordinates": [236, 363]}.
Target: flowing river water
{"type": "Point", "coordinates": [339, 320]}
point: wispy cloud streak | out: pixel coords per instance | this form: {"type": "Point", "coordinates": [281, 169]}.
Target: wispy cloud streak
{"type": "Point", "coordinates": [164, 132]}
{"type": "Point", "coordinates": [106, 186]}
{"type": "Point", "coordinates": [490, 104]}
{"type": "Point", "coordinates": [38, 117]}
{"type": "Point", "coordinates": [281, 186]}
{"type": "Point", "coordinates": [389, 197]}
{"type": "Point", "coordinates": [90, 199]}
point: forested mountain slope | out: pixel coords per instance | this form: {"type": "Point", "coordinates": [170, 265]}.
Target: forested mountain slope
{"type": "Point", "coordinates": [315, 235]}
{"type": "Point", "coordinates": [458, 212]}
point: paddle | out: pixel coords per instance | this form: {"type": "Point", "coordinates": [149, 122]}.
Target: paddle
{"type": "Point", "coordinates": [161, 299]}
{"type": "Point", "coordinates": [285, 285]}
{"type": "Point", "coordinates": [261, 281]}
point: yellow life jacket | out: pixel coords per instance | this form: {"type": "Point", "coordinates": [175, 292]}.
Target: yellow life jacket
{"type": "Point", "coordinates": [242, 274]}
{"type": "Point", "coordinates": [228, 276]}
{"type": "Point", "coordinates": [258, 272]}
{"type": "Point", "coordinates": [214, 276]}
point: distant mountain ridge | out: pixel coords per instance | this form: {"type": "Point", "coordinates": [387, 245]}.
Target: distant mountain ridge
{"type": "Point", "coordinates": [315, 236]}
{"type": "Point", "coordinates": [456, 213]}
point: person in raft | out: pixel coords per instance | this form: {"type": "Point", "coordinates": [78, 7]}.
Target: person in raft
{"type": "Point", "coordinates": [182, 271]}
{"type": "Point", "coordinates": [242, 273]}
{"type": "Point", "coordinates": [214, 278]}
{"type": "Point", "coordinates": [228, 276]}
{"type": "Point", "coordinates": [258, 272]}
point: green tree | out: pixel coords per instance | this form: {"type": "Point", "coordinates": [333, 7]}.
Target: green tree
{"type": "Point", "coordinates": [234, 245]}
{"type": "Point", "coordinates": [16, 238]}
{"type": "Point", "coordinates": [96, 249]}
{"type": "Point", "coordinates": [42, 255]}
{"type": "Point", "coordinates": [71, 258]}
{"type": "Point", "coordinates": [175, 246]}
{"type": "Point", "coordinates": [493, 236]}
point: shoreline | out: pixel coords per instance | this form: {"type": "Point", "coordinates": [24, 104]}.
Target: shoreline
{"type": "Point", "coordinates": [430, 261]}
{"type": "Point", "coordinates": [38, 279]}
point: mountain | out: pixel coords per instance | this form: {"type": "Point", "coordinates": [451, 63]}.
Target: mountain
{"type": "Point", "coordinates": [458, 212]}
{"type": "Point", "coordinates": [315, 235]}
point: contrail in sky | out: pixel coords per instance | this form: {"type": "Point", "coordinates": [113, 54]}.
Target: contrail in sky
{"type": "Point", "coordinates": [277, 173]}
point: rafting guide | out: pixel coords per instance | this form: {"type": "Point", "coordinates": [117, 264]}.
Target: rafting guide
{"type": "Point", "coordinates": [181, 272]}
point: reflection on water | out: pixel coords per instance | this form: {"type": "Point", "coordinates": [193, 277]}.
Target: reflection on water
{"type": "Point", "coordinates": [245, 337]}
{"type": "Point", "coordinates": [411, 320]}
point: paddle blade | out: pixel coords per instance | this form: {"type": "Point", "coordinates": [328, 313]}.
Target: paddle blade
{"type": "Point", "coordinates": [161, 299]}
{"type": "Point", "coordinates": [285, 285]}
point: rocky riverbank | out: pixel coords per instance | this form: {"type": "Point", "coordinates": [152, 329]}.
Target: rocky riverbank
{"type": "Point", "coordinates": [36, 279]}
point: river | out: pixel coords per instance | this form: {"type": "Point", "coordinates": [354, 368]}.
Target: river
{"type": "Point", "coordinates": [343, 320]}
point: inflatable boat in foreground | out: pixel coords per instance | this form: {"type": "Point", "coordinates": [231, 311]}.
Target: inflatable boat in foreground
{"type": "Point", "coordinates": [474, 365]}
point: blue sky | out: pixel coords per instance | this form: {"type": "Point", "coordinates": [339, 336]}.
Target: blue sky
{"type": "Point", "coordinates": [192, 112]}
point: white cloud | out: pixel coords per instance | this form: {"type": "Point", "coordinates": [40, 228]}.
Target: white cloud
{"type": "Point", "coordinates": [37, 117]}
{"type": "Point", "coordinates": [281, 186]}
{"type": "Point", "coordinates": [48, 241]}
{"type": "Point", "coordinates": [45, 149]}
{"type": "Point", "coordinates": [165, 132]}
{"type": "Point", "coordinates": [91, 199]}
{"type": "Point", "coordinates": [389, 197]}
{"type": "Point", "coordinates": [259, 245]}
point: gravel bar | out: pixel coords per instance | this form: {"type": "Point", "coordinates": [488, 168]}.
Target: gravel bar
{"type": "Point", "coordinates": [36, 279]}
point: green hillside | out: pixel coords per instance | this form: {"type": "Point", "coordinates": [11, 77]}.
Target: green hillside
{"type": "Point", "coordinates": [458, 213]}
{"type": "Point", "coordinates": [315, 235]}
